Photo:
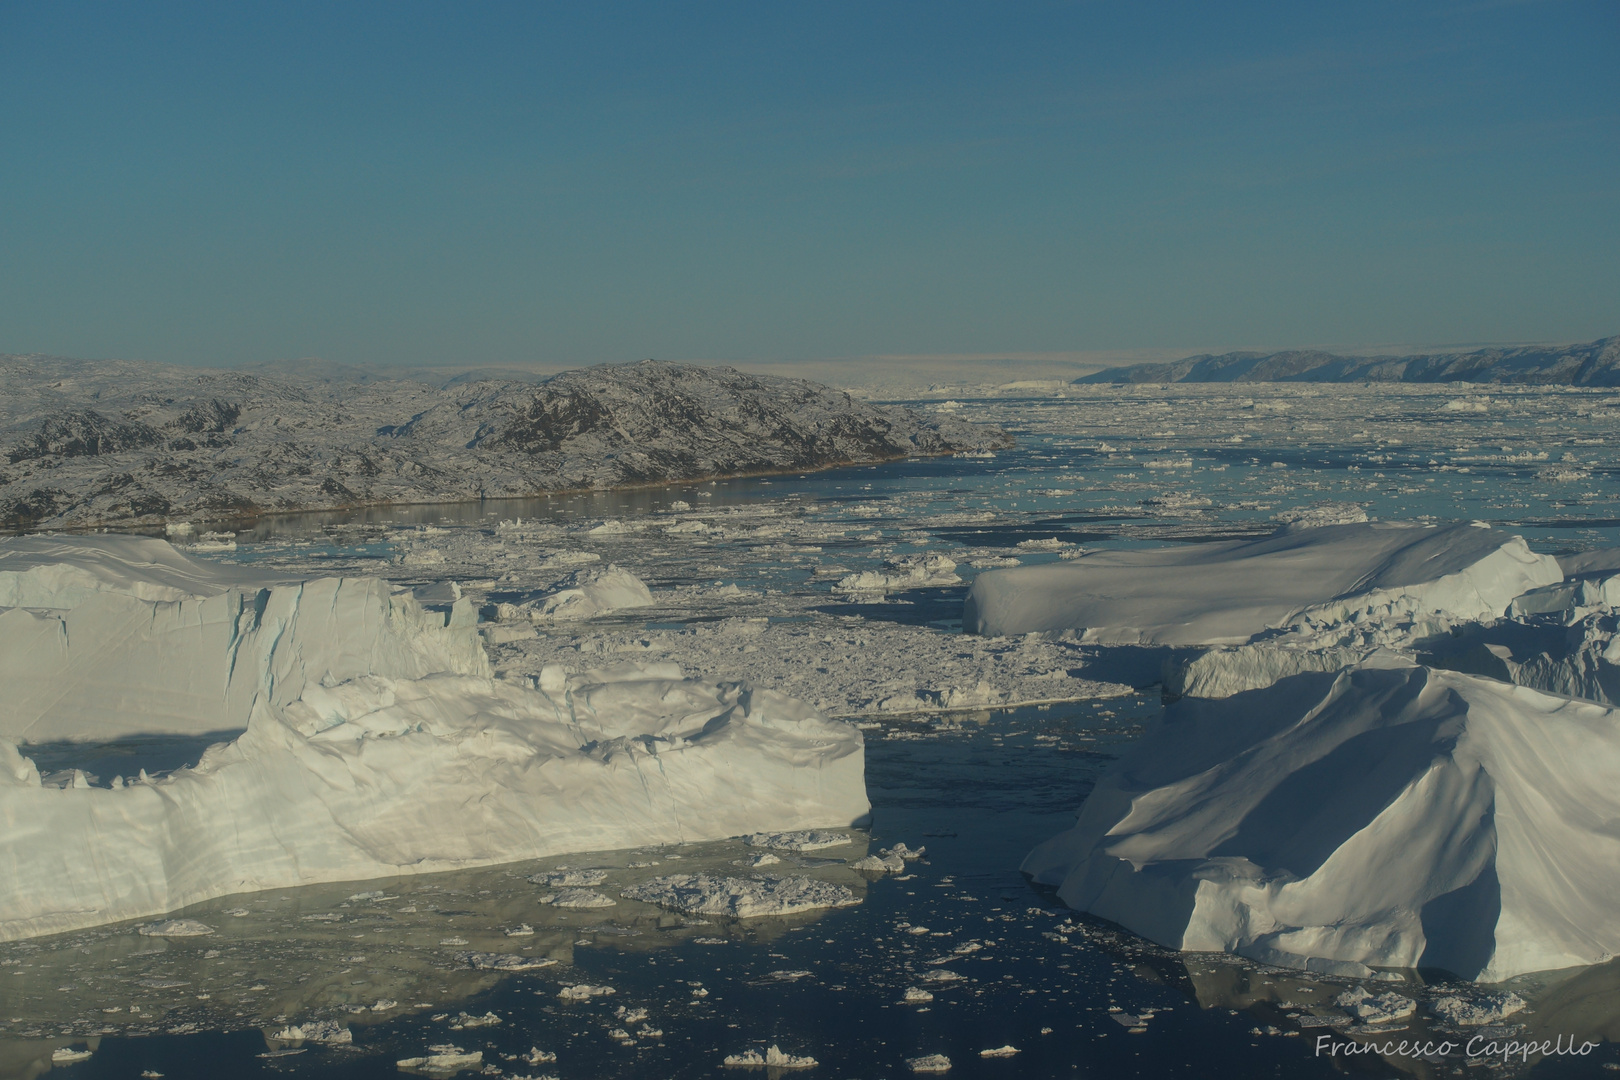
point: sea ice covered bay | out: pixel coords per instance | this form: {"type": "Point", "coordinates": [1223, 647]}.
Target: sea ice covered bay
{"type": "Point", "coordinates": [744, 577]}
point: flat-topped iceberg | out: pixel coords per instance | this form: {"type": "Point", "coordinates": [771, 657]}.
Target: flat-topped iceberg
{"type": "Point", "coordinates": [375, 743]}
{"type": "Point", "coordinates": [1228, 593]}
{"type": "Point", "coordinates": [1383, 816]}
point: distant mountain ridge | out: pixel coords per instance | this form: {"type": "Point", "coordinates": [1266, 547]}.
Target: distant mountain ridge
{"type": "Point", "coordinates": [1595, 363]}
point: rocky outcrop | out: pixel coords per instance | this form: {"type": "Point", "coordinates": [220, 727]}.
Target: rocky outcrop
{"type": "Point", "coordinates": [95, 443]}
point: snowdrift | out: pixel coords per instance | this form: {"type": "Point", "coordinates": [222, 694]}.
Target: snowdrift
{"type": "Point", "coordinates": [1383, 816]}
{"type": "Point", "coordinates": [375, 742]}
{"type": "Point", "coordinates": [1227, 593]}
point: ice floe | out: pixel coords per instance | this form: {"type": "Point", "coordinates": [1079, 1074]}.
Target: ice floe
{"type": "Point", "coordinates": [773, 1057]}
{"type": "Point", "coordinates": [742, 898]}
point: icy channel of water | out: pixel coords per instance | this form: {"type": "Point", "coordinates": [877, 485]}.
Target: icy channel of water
{"type": "Point", "coordinates": [752, 593]}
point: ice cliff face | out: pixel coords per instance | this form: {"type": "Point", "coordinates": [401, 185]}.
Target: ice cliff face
{"type": "Point", "coordinates": [163, 442]}
{"type": "Point", "coordinates": [1377, 817]}
{"type": "Point", "coordinates": [376, 743]}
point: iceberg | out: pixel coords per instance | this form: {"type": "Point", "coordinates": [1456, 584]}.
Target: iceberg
{"type": "Point", "coordinates": [1386, 816]}
{"type": "Point", "coordinates": [1230, 593]}
{"type": "Point", "coordinates": [373, 741]}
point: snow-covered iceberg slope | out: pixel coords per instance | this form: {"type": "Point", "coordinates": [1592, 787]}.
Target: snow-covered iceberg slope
{"type": "Point", "coordinates": [375, 745]}
{"type": "Point", "coordinates": [1227, 593]}
{"type": "Point", "coordinates": [1383, 816]}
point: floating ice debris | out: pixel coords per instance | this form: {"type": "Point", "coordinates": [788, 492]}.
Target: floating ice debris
{"type": "Point", "coordinates": [906, 853]}
{"type": "Point", "coordinates": [443, 1058]}
{"type": "Point", "coordinates": [999, 1052]}
{"type": "Point", "coordinates": [709, 941]}
{"type": "Point", "coordinates": [942, 975]}
{"type": "Point", "coordinates": [929, 1063]}
{"type": "Point", "coordinates": [384, 1004]}
{"type": "Point", "coordinates": [520, 930]}
{"type": "Point", "coordinates": [66, 1055]}
{"type": "Point", "coordinates": [579, 898]}
{"type": "Point", "coordinates": [788, 976]}
{"type": "Point", "coordinates": [1476, 1009]}
{"type": "Point", "coordinates": [485, 961]}
{"type": "Point", "coordinates": [584, 992]}
{"type": "Point", "coordinates": [536, 1056]}
{"type": "Point", "coordinates": [773, 1058]}
{"type": "Point", "coordinates": [879, 864]}
{"type": "Point", "coordinates": [453, 941]}
{"type": "Point", "coordinates": [742, 898]}
{"type": "Point", "coordinates": [464, 1021]}
{"type": "Point", "coordinates": [915, 995]}
{"type": "Point", "coordinates": [629, 1015]}
{"type": "Point", "coordinates": [806, 840]}
{"type": "Point", "coordinates": [764, 858]}
{"type": "Point", "coordinates": [328, 1032]}
{"type": "Point", "coordinates": [559, 879]}
{"type": "Point", "coordinates": [175, 928]}
{"type": "Point", "coordinates": [1372, 1008]}
{"type": "Point", "coordinates": [907, 572]}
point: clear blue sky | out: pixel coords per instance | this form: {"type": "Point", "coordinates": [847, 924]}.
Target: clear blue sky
{"type": "Point", "coordinates": [228, 182]}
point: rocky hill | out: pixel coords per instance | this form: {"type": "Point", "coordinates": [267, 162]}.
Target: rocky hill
{"type": "Point", "coordinates": [1596, 363]}
{"type": "Point", "coordinates": [111, 442]}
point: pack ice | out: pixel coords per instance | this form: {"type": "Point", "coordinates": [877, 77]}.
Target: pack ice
{"type": "Point", "coordinates": [373, 740]}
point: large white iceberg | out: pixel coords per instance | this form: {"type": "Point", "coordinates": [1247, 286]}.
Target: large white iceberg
{"type": "Point", "coordinates": [1228, 593]}
{"type": "Point", "coordinates": [1384, 816]}
{"type": "Point", "coordinates": [375, 741]}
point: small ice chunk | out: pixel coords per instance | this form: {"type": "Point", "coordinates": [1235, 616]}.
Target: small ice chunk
{"type": "Point", "coordinates": [879, 864]}
{"type": "Point", "coordinates": [943, 975]}
{"type": "Point", "coordinates": [328, 1032]}
{"type": "Point", "coordinates": [563, 879]}
{"type": "Point", "coordinates": [805, 840]}
{"type": "Point", "coordinates": [773, 1057]}
{"type": "Point", "coordinates": [706, 894]}
{"type": "Point", "coordinates": [520, 930]}
{"type": "Point", "coordinates": [175, 928]}
{"type": "Point", "coordinates": [628, 1015]}
{"type": "Point", "coordinates": [1382, 1008]}
{"type": "Point", "coordinates": [443, 1058]}
{"type": "Point", "coordinates": [765, 858]}
{"type": "Point", "coordinates": [916, 995]}
{"type": "Point", "coordinates": [581, 898]}
{"type": "Point", "coordinates": [66, 1055]}
{"type": "Point", "coordinates": [999, 1052]}
{"type": "Point", "coordinates": [929, 1063]}
{"type": "Point", "coordinates": [484, 961]}
{"type": "Point", "coordinates": [1476, 1009]}
{"type": "Point", "coordinates": [537, 1056]}
{"type": "Point", "coordinates": [464, 1021]}
{"type": "Point", "coordinates": [584, 992]}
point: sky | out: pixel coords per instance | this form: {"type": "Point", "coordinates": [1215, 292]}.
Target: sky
{"type": "Point", "coordinates": [500, 183]}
